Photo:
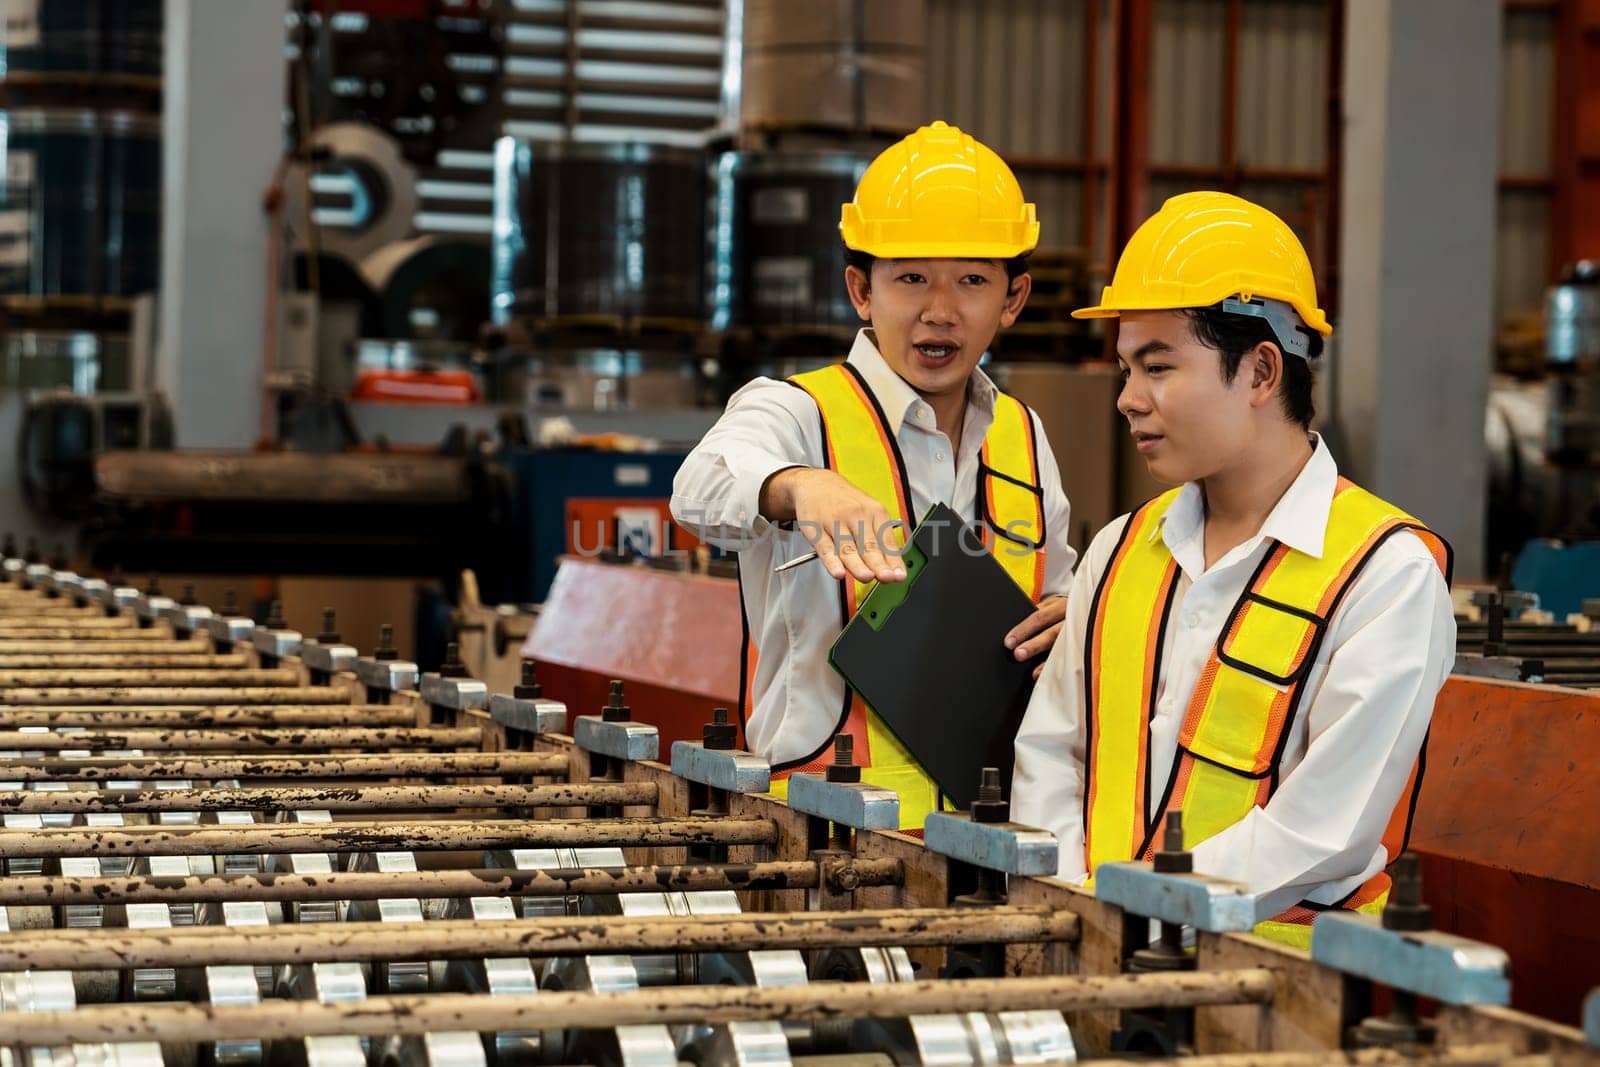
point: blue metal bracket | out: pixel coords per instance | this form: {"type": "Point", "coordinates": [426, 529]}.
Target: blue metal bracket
{"type": "Point", "coordinates": [1214, 905]}
{"type": "Point", "coordinates": [1008, 847]}
{"type": "Point", "coordinates": [729, 769]}
{"type": "Point", "coordinates": [1450, 969]}
{"type": "Point", "coordinates": [858, 805]}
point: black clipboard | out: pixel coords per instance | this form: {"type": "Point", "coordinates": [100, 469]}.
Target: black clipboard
{"type": "Point", "coordinates": [927, 655]}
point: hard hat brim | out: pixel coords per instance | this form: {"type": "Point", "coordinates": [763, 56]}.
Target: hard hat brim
{"type": "Point", "coordinates": [1315, 318]}
{"type": "Point", "coordinates": [920, 250]}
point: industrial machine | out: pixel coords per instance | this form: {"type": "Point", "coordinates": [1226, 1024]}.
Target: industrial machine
{"type": "Point", "coordinates": [235, 843]}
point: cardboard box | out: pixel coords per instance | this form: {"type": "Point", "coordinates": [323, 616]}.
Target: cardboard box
{"type": "Point", "coordinates": [818, 88]}
{"type": "Point", "coordinates": [784, 24]}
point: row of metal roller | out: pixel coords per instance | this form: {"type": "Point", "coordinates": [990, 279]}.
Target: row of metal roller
{"type": "Point", "coordinates": [229, 843]}
{"type": "Point", "coordinates": [186, 823]}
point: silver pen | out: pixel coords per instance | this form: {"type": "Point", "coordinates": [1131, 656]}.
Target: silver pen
{"type": "Point", "coordinates": [807, 558]}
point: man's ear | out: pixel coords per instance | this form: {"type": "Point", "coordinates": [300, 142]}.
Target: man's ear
{"type": "Point", "coordinates": [1266, 372]}
{"type": "Point", "coordinates": [1016, 297]}
{"type": "Point", "coordinates": [859, 286]}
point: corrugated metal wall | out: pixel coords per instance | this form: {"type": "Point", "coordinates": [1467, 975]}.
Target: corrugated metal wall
{"type": "Point", "coordinates": [1527, 64]}
{"type": "Point", "coordinates": [1011, 71]}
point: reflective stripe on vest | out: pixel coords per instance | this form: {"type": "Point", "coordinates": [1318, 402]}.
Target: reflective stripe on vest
{"type": "Point", "coordinates": [861, 448]}
{"type": "Point", "coordinates": [1238, 718]}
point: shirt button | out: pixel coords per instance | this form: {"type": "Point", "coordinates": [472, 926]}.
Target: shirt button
{"type": "Point", "coordinates": [939, 456]}
{"type": "Point", "coordinates": [1191, 620]}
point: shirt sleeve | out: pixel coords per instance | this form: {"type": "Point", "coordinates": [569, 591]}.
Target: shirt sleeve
{"type": "Point", "coordinates": [1047, 783]}
{"type": "Point", "coordinates": [768, 426]}
{"type": "Point", "coordinates": [1060, 556]}
{"type": "Point", "coordinates": [1393, 646]}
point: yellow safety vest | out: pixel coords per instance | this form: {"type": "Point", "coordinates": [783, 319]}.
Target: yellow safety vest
{"type": "Point", "coordinates": [1250, 690]}
{"type": "Point", "coordinates": [1010, 509]}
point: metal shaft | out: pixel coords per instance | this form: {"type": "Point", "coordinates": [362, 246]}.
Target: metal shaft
{"type": "Point", "coordinates": [121, 660]}
{"type": "Point", "coordinates": [313, 694]}
{"type": "Point", "coordinates": [334, 798]}
{"type": "Point", "coordinates": [1458, 1057]}
{"type": "Point", "coordinates": [552, 1010]}
{"type": "Point", "coordinates": [445, 885]}
{"type": "Point", "coordinates": [353, 836]}
{"type": "Point", "coordinates": [542, 937]}
{"type": "Point", "coordinates": [135, 642]}
{"type": "Point", "coordinates": [200, 716]}
{"type": "Point", "coordinates": [41, 620]}
{"type": "Point", "coordinates": [319, 766]}
{"type": "Point", "coordinates": [123, 678]}
{"type": "Point", "coordinates": [244, 740]}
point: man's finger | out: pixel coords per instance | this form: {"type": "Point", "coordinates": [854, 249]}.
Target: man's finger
{"type": "Point", "coordinates": [1042, 643]}
{"type": "Point", "coordinates": [1050, 611]}
{"type": "Point", "coordinates": [828, 555]}
{"type": "Point", "coordinates": [850, 556]}
{"type": "Point", "coordinates": [1027, 628]}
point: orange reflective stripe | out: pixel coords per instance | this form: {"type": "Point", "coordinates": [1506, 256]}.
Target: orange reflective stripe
{"type": "Point", "coordinates": [1134, 594]}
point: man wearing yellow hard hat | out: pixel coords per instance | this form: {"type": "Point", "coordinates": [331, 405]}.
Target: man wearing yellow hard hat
{"type": "Point", "coordinates": [1259, 648]}
{"type": "Point", "coordinates": [834, 460]}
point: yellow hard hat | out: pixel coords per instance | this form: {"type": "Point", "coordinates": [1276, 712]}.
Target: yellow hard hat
{"type": "Point", "coordinates": [939, 193]}
{"type": "Point", "coordinates": [1203, 248]}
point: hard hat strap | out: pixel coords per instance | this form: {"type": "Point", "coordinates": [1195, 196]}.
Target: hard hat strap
{"type": "Point", "coordinates": [1293, 336]}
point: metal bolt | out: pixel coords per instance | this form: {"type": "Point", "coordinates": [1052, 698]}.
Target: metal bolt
{"type": "Point", "coordinates": [990, 806]}
{"type": "Point", "coordinates": [275, 620]}
{"type": "Point", "coordinates": [187, 599]}
{"type": "Point", "coordinates": [719, 734]}
{"type": "Point", "coordinates": [529, 688]}
{"type": "Point", "coordinates": [385, 650]}
{"type": "Point", "coordinates": [1173, 858]}
{"type": "Point", "coordinates": [230, 602]}
{"type": "Point", "coordinates": [989, 786]}
{"type": "Point", "coordinates": [1405, 910]}
{"type": "Point", "coordinates": [615, 710]}
{"type": "Point", "coordinates": [843, 768]}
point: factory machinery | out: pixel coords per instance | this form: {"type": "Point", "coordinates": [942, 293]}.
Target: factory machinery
{"type": "Point", "coordinates": [231, 844]}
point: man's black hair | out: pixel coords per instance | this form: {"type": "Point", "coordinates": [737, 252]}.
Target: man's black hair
{"type": "Point", "coordinates": [1234, 335]}
{"type": "Point", "coordinates": [1015, 267]}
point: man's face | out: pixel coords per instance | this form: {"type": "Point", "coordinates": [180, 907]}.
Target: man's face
{"type": "Point", "coordinates": [1187, 422]}
{"type": "Point", "coordinates": [934, 318]}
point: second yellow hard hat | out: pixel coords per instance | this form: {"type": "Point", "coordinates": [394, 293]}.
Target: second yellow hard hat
{"type": "Point", "coordinates": [939, 194]}
{"type": "Point", "coordinates": [1202, 248]}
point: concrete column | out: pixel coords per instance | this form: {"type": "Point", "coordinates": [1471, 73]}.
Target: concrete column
{"type": "Point", "coordinates": [223, 129]}
{"type": "Point", "coordinates": [1414, 338]}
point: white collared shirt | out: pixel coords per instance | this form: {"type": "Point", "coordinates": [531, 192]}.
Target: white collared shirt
{"type": "Point", "coordinates": [1368, 699]}
{"type": "Point", "coordinates": [794, 616]}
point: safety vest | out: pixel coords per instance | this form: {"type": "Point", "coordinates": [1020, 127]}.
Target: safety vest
{"type": "Point", "coordinates": [1010, 510]}
{"type": "Point", "coordinates": [1233, 734]}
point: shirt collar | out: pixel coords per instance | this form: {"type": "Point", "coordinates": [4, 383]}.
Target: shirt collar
{"type": "Point", "coordinates": [895, 395]}
{"type": "Point", "coordinates": [1299, 519]}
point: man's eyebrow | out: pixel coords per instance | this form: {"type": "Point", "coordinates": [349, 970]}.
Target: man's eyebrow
{"type": "Point", "coordinates": [1149, 348]}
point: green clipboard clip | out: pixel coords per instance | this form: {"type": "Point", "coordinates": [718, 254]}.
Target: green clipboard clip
{"type": "Point", "coordinates": [884, 597]}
